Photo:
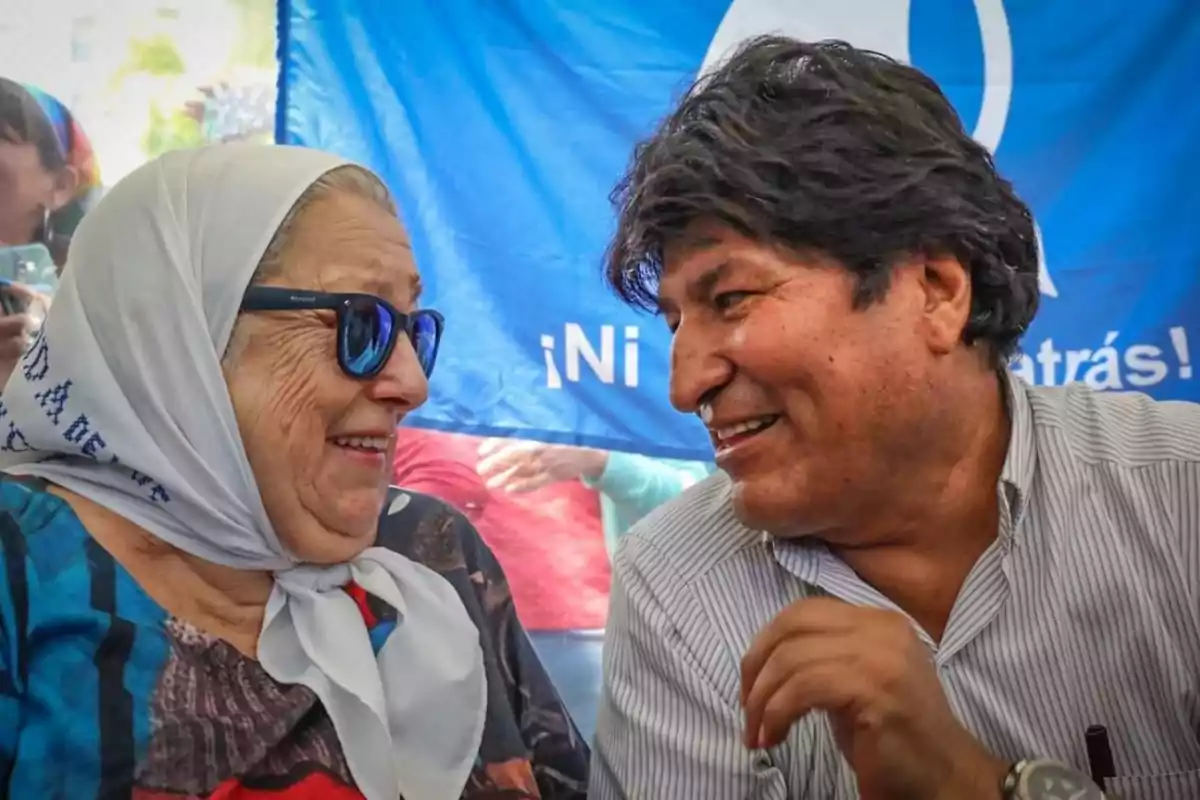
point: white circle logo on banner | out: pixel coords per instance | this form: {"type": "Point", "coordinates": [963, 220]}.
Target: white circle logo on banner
{"type": "Point", "coordinates": [883, 26]}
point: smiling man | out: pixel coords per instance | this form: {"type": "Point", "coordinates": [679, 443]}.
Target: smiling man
{"type": "Point", "coordinates": [915, 576]}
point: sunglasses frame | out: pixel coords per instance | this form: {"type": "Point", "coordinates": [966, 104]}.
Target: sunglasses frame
{"type": "Point", "coordinates": [280, 298]}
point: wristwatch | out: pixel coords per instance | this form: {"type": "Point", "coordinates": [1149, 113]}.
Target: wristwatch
{"type": "Point", "coordinates": [1048, 780]}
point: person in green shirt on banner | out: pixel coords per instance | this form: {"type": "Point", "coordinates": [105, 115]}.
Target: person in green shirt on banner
{"type": "Point", "coordinates": [630, 486]}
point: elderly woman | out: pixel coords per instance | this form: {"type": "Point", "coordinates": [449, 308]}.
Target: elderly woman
{"type": "Point", "coordinates": [208, 589]}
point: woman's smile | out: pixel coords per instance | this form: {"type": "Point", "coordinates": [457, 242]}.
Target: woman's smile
{"type": "Point", "coordinates": [373, 451]}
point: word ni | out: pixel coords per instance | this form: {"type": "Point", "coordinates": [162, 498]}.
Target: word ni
{"type": "Point", "coordinates": [578, 350]}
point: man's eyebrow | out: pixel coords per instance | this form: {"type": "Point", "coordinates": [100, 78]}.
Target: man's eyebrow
{"type": "Point", "coordinates": [415, 287]}
{"type": "Point", "coordinates": [698, 289]}
{"type": "Point", "coordinates": [701, 288]}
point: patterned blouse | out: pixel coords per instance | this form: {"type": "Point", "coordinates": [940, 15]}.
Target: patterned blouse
{"type": "Point", "coordinates": [103, 695]}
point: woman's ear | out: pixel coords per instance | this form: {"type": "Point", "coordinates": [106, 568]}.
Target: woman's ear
{"type": "Point", "coordinates": [66, 183]}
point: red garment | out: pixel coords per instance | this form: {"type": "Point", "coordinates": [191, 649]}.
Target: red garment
{"type": "Point", "coordinates": [550, 542]}
{"type": "Point", "coordinates": [314, 786]}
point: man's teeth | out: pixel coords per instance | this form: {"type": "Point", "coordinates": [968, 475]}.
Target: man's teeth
{"type": "Point", "coordinates": [750, 426]}
{"type": "Point", "coordinates": [376, 443]}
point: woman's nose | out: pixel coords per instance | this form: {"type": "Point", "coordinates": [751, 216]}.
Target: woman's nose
{"type": "Point", "coordinates": [402, 381]}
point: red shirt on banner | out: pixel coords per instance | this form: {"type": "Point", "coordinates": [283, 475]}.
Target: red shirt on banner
{"type": "Point", "coordinates": [550, 542]}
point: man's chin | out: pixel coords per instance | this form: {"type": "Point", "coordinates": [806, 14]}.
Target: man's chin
{"type": "Point", "coordinates": [763, 507]}
{"type": "Point", "coordinates": [755, 508]}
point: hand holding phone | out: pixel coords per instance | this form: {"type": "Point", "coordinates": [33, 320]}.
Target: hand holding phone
{"type": "Point", "coordinates": [24, 311]}
{"type": "Point", "coordinates": [19, 299]}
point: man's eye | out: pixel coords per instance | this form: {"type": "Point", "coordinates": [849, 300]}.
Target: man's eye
{"type": "Point", "coordinates": [727, 300]}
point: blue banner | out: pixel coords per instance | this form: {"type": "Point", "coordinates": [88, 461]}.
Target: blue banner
{"type": "Point", "coordinates": [501, 127]}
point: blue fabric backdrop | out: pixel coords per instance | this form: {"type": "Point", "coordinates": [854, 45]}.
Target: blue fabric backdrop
{"type": "Point", "coordinates": [501, 126]}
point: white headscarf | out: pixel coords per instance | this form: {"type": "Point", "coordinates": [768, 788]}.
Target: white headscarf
{"type": "Point", "coordinates": [122, 400]}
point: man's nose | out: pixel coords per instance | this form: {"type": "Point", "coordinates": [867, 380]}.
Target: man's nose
{"type": "Point", "coordinates": [698, 367]}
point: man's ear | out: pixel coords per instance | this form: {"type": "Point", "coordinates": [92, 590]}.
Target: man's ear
{"type": "Point", "coordinates": [947, 286]}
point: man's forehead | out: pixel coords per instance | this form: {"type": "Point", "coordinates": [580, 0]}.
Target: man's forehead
{"type": "Point", "coordinates": [695, 239]}
{"type": "Point", "coordinates": [694, 252]}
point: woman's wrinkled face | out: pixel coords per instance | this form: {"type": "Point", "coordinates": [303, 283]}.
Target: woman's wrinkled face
{"type": "Point", "coordinates": [320, 443]}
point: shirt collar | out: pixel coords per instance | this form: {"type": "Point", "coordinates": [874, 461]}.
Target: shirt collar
{"type": "Point", "coordinates": [1020, 463]}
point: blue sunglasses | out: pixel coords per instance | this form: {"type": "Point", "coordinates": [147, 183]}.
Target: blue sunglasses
{"type": "Point", "coordinates": [367, 326]}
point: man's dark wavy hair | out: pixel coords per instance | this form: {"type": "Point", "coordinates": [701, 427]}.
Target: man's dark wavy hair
{"type": "Point", "coordinates": [831, 149]}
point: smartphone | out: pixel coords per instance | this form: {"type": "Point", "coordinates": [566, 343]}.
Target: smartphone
{"type": "Point", "coordinates": [28, 264]}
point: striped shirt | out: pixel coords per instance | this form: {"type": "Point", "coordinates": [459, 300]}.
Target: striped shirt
{"type": "Point", "coordinates": [1085, 610]}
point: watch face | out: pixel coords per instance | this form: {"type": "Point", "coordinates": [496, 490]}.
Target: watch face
{"type": "Point", "coordinates": [1048, 781]}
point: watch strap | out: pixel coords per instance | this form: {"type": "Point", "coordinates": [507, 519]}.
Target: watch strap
{"type": "Point", "coordinates": [1012, 780]}
{"type": "Point", "coordinates": [1016, 783]}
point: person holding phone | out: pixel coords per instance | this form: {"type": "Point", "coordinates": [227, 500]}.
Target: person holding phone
{"type": "Point", "coordinates": [24, 309]}
{"type": "Point", "coordinates": [48, 180]}
{"type": "Point", "coordinates": [48, 172]}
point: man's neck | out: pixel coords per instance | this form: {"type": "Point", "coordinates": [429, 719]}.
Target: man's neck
{"type": "Point", "coordinates": [927, 538]}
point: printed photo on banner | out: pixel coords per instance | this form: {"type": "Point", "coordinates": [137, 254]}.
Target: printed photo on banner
{"type": "Point", "coordinates": [519, 253]}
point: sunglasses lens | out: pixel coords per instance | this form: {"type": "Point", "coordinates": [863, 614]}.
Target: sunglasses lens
{"type": "Point", "coordinates": [425, 332]}
{"type": "Point", "coordinates": [367, 335]}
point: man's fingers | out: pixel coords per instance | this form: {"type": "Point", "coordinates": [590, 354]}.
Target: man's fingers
{"type": "Point", "coordinates": [796, 656]}
{"type": "Point", "coordinates": [821, 615]}
{"type": "Point", "coordinates": [828, 686]}
{"type": "Point", "coordinates": [818, 653]}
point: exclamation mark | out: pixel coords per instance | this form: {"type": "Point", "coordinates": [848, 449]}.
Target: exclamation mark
{"type": "Point", "coordinates": [1179, 340]}
{"type": "Point", "coordinates": [553, 379]}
